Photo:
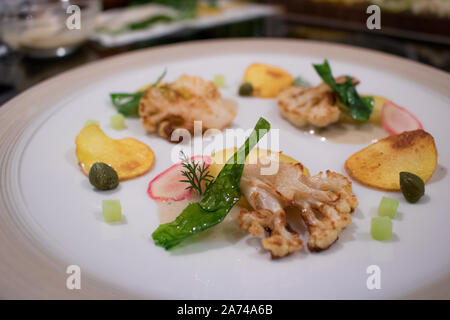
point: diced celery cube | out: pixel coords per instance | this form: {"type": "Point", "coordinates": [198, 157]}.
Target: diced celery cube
{"type": "Point", "coordinates": [219, 81]}
{"type": "Point", "coordinates": [112, 210]}
{"type": "Point", "coordinates": [118, 121]}
{"type": "Point", "coordinates": [381, 228]}
{"type": "Point", "coordinates": [388, 207]}
{"type": "Point", "coordinates": [88, 122]}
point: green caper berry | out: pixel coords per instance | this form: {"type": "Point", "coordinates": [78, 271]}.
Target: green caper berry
{"type": "Point", "coordinates": [412, 186]}
{"type": "Point", "coordinates": [246, 89]}
{"type": "Point", "coordinates": [103, 177]}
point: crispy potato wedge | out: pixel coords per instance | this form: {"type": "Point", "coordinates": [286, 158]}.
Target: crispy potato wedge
{"type": "Point", "coordinates": [129, 157]}
{"type": "Point", "coordinates": [379, 165]}
{"type": "Point", "coordinates": [267, 80]}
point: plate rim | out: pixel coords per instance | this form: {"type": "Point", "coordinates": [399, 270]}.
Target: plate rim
{"type": "Point", "coordinates": [14, 118]}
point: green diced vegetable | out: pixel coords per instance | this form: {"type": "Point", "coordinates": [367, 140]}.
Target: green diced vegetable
{"type": "Point", "coordinates": [359, 108]}
{"type": "Point", "coordinates": [103, 177]}
{"type": "Point", "coordinates": [388, 207]}
{"type": "Point", "coordinates": [300, 82]}
{"type": "Point", "coordinates": [88, 122]}
{"type": "Point", "coordinates": [112, 210]}
{"type": "Point", "coordinates": [381, 228]}
{"type": "Point", "coordinates": [246, 89]}
{"type": "Point", "coordinates": [219, 81]}
{"type": "Point", "coordinates": [412, 186]}
{"type": "Point", "coordinates": [118, 121]}
{"type": "Point", "coordinates": [219, 198]}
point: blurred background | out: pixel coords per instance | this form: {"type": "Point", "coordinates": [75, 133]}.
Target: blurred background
{"type": "Point", "coordinates": [41, 38]}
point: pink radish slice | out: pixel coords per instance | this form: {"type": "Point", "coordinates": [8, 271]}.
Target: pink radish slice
{"type": "Point", "coordinates": [396, 119]}
{"type": "Point", "coordinates": [167, 186]}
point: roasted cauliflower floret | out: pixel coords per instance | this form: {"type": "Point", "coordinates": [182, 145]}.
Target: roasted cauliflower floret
{"type": "Point", "coordinates": [316, 106]}
{"type": "Point", "coordinates": [327, 211]}
{"type": "Point", "coordinates": [281, 240]}
{"type": "Point", "coordinates": [268, 216]}
{"type": "Point", "coordinates": [324, 200]}
{"type": "Point", "coordinates": [170, 106]}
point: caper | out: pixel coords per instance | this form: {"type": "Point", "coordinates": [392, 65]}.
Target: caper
{"type": "Point", "coordinates": [412, 186]}
{"type": "Point", "coordinates": [103, 177]}
{"type": "Point", "coordinates": [246, 89]}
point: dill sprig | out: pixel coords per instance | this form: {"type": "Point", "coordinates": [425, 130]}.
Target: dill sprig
{"type": "Point", "coordinates": [195, 174]}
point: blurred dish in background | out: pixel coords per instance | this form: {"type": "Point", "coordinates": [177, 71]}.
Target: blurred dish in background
{"type": "Point", "coordinates": [123, 26]}
{"type": "Point", "coordinates": [123, 20]}
{"type": "Point", "coordinates": [419, 20]}
{"type": "Point", "coordinates": [439, 8]}
{"type": "Point", "coordinates": [38, 28]}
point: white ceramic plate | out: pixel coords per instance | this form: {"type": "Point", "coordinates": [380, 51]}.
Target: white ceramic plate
{"type": "Point", "coordinates": [50, 217]}
{"type": "Point", "coordinates": [120, 17]}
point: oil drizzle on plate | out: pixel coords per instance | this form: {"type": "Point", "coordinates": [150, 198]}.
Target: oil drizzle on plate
{"type": "Point", "coordinates": [348, 133]}
{"type": "Point", "coordinates": [226, 231]}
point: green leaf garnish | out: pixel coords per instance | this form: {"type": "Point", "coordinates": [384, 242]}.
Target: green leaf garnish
{"type": "Point", "coordinates": [160, 78]}
{"type": "Point", "coordinates": [358, 108]}
{"type": "Point", "coordinates": [219, 198]}
{"type": "Point", "coordinates": [128, 103]}
{"type": "Point", "coordinates": [212, 3]}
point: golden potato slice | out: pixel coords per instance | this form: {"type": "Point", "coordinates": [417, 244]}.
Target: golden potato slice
{"type": "Point", "coordinates": [267, 80]}
{"type": "Point", "coordinates": [379, 165]}
{"type": "Point", "coordinates": [129, 157]}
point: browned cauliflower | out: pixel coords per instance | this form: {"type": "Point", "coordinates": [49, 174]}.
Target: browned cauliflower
{"type": "Point", "coordinates": [268, 216]}
{"type": "Point", "coordinates": [316, 106]}
{"type": "Point", "coordinates": [178, 104]}
{"type": "Point", "coordinates": [324, 200]}
{"type": "Point", "coordinates": [281, 241]}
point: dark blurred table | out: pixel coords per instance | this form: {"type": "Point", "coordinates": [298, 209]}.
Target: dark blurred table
{"type": "Point", "coordinates": [19, 73]}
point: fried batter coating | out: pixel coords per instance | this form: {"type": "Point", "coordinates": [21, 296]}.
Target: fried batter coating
{"type": "Point", "coordinates": [170, 106]}
{"type": "Point", "coordinates": [316, 106]}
